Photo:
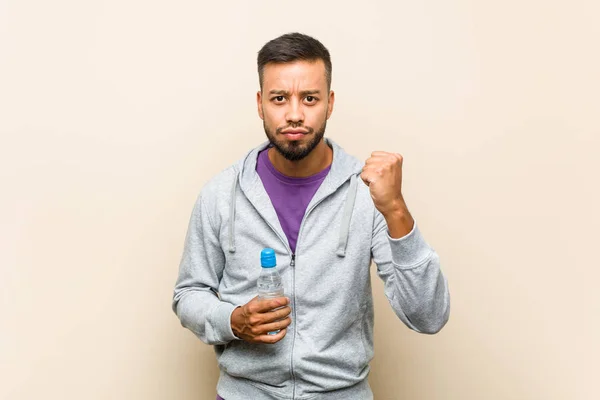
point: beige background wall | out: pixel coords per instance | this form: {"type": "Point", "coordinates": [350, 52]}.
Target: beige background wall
{"type": "Point", "coordinates": [114, 113]}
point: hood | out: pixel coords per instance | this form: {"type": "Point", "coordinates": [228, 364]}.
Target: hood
{"type": "Point", "coordinates": [344, 167]}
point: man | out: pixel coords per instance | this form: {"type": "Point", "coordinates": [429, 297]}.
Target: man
{"type": "Point", "coordinates": [300, 194]}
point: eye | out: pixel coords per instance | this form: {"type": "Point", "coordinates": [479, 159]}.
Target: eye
{"type": "Point", "coordinates": [278, 99]}
{"type": "Point", "coordinates": [311, 99]}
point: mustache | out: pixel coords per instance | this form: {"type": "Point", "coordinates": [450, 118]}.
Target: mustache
{"type": "Point", "coordinates": [308, 129]}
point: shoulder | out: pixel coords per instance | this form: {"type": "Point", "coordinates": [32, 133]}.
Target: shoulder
{"type": "Point", "coordinates": [213, 198]}
{"type": "Point", "coordinates": [220, 184]}
{"type": "Point", "coordinates": [216, 192]}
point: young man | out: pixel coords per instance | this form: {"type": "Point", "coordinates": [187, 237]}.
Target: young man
{"type": "Point", "coordinates": [327, 216]}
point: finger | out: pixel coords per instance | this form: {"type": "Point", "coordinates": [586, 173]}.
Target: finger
{"type": "Point", "coordinates": [276, 315]}
{"type": "Point", "coordinates": [270, 339]}
{"type": "Point", "coordinates": [380, 154]}
{"type": "Point", "coordinates": [365, 178]}
{"type": "Point", "coordinates": [275, 326]}
{"type": "Point", "coordinates": [369, 176]}
{"type": "Point", "coordinates": [375, 159]}
{"type": "Point", "coordinates": [266, 305]}
{"type": "Point", "coordinates": [378, 161]}
{"type": "Point", "coordinates": [372, 168]}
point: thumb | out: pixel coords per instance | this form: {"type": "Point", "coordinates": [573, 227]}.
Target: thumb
{"type": "Point", "coordinates": [365, 179]}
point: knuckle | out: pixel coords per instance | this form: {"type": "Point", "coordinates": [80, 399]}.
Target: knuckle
{"type": "Point", "coordinates": [251, 307]}
{"type": "Point", "coordinates": [254, 320]}
{"type": "Point", "coordinates": [275, 304]}
{"type": "Point", "coordinates": [282, 313]}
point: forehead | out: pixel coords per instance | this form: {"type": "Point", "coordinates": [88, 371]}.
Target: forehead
{"type": "Point", "coordinates": [294, 75]}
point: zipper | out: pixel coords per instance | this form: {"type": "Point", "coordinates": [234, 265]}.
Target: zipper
{"type": "Point", "coordinates": [293, 265]}
{"type": "Point", "coordinates": [293, 300]}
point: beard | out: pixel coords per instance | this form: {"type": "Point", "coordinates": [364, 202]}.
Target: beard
{"type": "Point", "coordinates": [295, 150]}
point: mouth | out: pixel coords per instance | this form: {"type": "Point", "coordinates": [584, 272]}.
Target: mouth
{"type": "Point", "coordinates": [294, 134]}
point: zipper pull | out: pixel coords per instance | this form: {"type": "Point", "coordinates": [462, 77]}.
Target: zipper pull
{"type": "Point", "coordinates": [293, 263]}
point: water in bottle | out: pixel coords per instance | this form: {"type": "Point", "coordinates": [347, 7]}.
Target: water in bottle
{"type": "Point", "coordinates": [269, 282]}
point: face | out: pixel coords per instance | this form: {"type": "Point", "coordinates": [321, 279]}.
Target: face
{"type": "Point", "coordinates": [295, 105]}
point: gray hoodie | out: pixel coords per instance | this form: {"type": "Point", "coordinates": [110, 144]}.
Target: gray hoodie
{"type": "Point", "coordinates": [329, 344]}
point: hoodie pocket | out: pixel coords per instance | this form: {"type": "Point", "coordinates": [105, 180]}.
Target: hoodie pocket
{"type": "Point", "coordinates": [265, 363]}
{"type": "Point", "coordinates": [361, 358]}
{"type": "Point", "coordinates": [366, 339]}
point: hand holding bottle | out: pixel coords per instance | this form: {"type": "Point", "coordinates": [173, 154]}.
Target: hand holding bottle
{"type": "Point", "coordinates": [253, 321]}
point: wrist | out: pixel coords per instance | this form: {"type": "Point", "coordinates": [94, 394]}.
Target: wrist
{"type": "Point", "coordinates": [234, 321]}
{"type": "Point", "coordinates": [400, 223]}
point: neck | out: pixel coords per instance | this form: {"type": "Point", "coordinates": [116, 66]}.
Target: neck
{"type": "Point", "coordinates": [318, 159]}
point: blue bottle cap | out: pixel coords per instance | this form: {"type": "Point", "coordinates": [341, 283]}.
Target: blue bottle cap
{"type": "Point", "coordinates": [267, 258]}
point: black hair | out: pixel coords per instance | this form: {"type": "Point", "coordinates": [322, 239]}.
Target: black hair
{"type": "Point", "coordinates": [293, 47]}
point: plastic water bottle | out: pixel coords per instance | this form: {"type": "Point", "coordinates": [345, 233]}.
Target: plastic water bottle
{"type": "Point", "coordinates": [270, 285]}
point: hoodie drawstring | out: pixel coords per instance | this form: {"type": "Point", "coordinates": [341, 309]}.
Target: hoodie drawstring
{"type": "Point", "coordinates": [344, 226]}
{"type": "Point", "coordinates": [232, 215]}
{"type": "Point", "coordinates": [346, 216]}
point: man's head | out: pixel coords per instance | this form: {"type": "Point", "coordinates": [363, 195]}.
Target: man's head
{"type": "Point", "coordinates": [295, 100]}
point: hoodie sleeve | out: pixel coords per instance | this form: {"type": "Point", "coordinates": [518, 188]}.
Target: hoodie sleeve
{"type": "Point", "coordinates": [201, 268]}
{"type": "Point", "coordinates": [414, 283]}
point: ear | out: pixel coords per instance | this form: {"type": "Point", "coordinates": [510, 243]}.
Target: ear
{"type": "Point", "coordinates": [259, 104]}
{"type": "Point", "coordinates": [330, 103]}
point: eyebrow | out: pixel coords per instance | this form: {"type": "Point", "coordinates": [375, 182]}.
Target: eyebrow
{"type": "Point", "coordinates": [302, 93]}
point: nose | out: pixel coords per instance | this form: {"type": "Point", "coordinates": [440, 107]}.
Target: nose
{"type": "Point", "coordinates": [295, 113]}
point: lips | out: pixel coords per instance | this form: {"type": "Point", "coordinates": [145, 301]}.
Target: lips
{"type": "Point", "coordinates": [294, 134]}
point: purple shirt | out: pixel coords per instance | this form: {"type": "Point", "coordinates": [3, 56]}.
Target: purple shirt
{"type": "Point", "coordinates": [290, 196]}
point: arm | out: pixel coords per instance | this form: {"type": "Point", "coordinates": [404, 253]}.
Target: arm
{"type": "Point", "coordinates": [414, 283]}
{"type": "Point", "coordinates": [198, 307]}
{"type": "Point", "coordinates": [410, 269]}
{"type": "Point", "coordinates": [201, 268]}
